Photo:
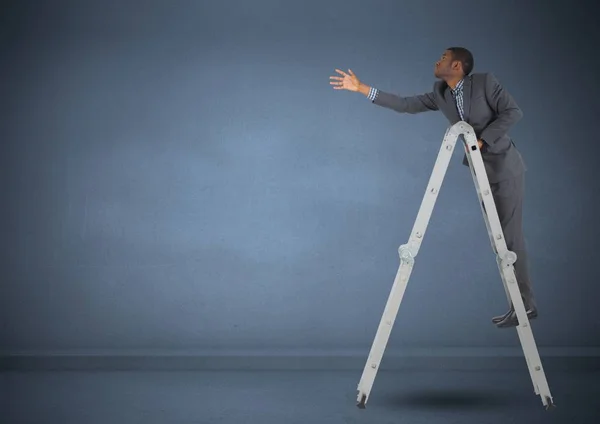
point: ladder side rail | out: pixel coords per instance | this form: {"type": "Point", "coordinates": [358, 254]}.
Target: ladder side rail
{"type": "Point", "coordinates": [505, 260]}
{"type": "Point", "coordinates": [407, 253]}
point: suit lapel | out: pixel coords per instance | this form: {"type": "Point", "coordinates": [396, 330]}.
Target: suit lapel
{"type": "Point", "coordinates": [467, 97]}
{"type": "Point", "coordinates": [453, 116]}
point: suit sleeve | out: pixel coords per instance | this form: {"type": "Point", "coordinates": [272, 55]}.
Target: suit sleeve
{"type": "Point", "coordinates": [506, 109]}
{"type": "Point", "coordinates": [413, 104]}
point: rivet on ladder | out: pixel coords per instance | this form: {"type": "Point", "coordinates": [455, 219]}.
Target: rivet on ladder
{"type": "Point", "coordinates": [373, 366]}
{"type": "Point", "coordinates": [537, 368]}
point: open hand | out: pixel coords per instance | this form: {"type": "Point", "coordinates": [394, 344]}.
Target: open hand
{"type": "Point", "coordinates": [348, 81]}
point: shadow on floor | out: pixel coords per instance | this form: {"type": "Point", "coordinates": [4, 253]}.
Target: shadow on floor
{"type": "Point", "coordinates": [452, 399]}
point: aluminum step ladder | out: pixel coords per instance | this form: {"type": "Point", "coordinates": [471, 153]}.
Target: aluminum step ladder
{"type": "Point", "coordinates": [504, 258]}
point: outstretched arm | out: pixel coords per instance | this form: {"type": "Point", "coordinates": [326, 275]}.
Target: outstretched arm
{"type": "Point", "coordinates": [507, 111]}
{"type": "Point", "coordinates": [412, 104]}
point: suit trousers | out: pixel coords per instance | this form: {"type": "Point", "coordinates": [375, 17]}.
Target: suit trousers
{"type": "Point", "coordinates": [508, 196]}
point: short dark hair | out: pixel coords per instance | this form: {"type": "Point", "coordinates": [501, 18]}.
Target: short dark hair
{"type": "Point", "coordinates": [464, 56]}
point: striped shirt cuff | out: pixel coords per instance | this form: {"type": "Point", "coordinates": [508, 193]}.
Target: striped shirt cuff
{"type": "Point", "coordinates": [373, 93]}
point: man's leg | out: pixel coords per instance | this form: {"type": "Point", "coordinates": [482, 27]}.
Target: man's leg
{"type": "Point", "coordinates": [508, 197]}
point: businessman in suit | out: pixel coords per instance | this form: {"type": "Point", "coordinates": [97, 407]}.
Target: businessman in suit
{"type": "Point", "coordinates": [483, 103]}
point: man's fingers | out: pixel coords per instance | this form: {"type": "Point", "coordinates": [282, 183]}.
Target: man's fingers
{"type": "Point", "coordinates": [338, 82]}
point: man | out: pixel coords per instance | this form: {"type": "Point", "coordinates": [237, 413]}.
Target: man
{"type": "Point", "coordinates": [483, 103]}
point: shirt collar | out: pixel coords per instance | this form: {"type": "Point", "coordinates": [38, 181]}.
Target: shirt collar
{"type": "Point", "coordinates": [458, 87]}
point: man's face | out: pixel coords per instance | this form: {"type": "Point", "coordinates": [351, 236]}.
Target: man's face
{"type": "Point", "coordinates": [444, 67]}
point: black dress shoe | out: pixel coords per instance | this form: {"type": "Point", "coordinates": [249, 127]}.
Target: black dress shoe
{"type": "Point", "coordinates": [511, 319]}
{"type": "Point", "coordinates": [499, 318]}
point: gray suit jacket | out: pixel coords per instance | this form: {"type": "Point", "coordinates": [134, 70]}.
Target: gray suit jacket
{"type": "Point", "coordinates": [488, 108]}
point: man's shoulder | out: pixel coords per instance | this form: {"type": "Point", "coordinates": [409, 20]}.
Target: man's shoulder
{"type": "Point", "coordinates": [477, 79]}
{"type": "Point", "coordinates": [483, 78]}
{"type": "Point", "coordinates": [439, 86]}
{"type": "Point", "coordinates": [480, 76]}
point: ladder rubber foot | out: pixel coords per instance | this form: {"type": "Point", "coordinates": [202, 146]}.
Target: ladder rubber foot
{"type": "Point", "coordinates": [549, 404]}
{"type": "Point", "coordinates": [361, 404]}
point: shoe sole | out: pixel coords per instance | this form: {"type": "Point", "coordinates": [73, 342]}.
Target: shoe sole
{"type": "Point", "coordinates": [516, 323]}
{"type": "Point", "coordinates": [496, 320]}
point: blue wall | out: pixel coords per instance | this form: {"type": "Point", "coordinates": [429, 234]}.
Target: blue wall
{"type": "Point", "coordinates": [180, 175]}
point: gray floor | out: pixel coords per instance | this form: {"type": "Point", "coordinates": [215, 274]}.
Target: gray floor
{"type": "Point", "coordinates": [301, 397]}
